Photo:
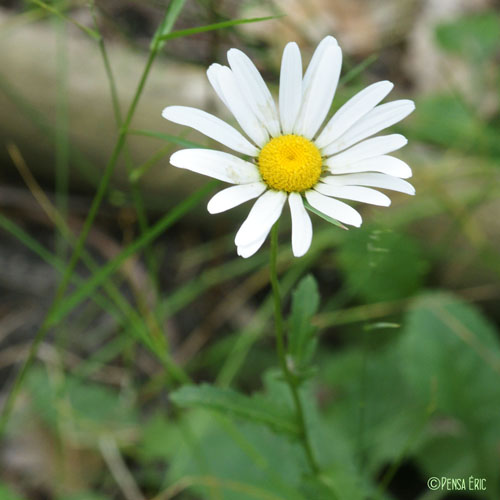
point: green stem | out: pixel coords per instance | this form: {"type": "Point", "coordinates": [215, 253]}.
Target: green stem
{"type": "Point", "coordinates": [280, 347]}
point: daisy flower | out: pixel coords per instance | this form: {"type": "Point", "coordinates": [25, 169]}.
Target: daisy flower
{"type": "Point", "coordinates": [287, 154]}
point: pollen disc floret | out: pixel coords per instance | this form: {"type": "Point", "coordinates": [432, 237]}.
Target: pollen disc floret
{"type": "Point", "coordinates": [290, 163]}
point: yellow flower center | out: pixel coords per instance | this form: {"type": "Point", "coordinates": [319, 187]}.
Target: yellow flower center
{"type": "Point", "coordinates": [290, 163]}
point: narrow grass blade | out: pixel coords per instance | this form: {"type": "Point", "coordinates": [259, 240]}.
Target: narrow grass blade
{"type": "Point", "coordinates": [58, 13]}
{"type": "Point", "coordinates": [166, 137]}
{"type": "Point", "coordinates": [174, 9]}
{"type": "Point", "coordinates": [358, 69]}
{"type": "Point", "coordinates": [215, 26]}
{"type": "Point", "coordinates": [323, 216]}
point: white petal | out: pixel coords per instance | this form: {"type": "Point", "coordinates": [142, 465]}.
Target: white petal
{"type": "Point", "coordinates": [301, 225]}
{"type": "Point", "coordinates": [246, 251]}
{"type": "Point", "coordinates": [213, 77]}
{"type": "Point", "coordinates": [355, 193]}
{"type": "Point", "coordinates": [216, 164]}
{"type": "Point", "coordinates": [318, 93]}
{"type": "Point", "coordinates": [368, 149]}
{"type": "Point", "coordinates": [377, 119]}
{"type": "Point", "coordinates": [334, 208]}
{"type": "Point", "coordinates": [328, 41]}
{"type": "Point", "coordinates": [384, 164]}
{"type": "Point", "coordinates": [371, 179]}
{"type": "Point", "coordinates": [224, 83]}
{"type": "Point", "coordinates": [255, 90]}
{"type": "Point", "coordinates": [235, 195]}
{"type": "Point", "coordinates": [354, 109]}
{"type": "Point", "coordinates": [290, 96]}
{"type": "Point", "coordinates": [261, 218]}
{"type": "Point", "coordinates": [211, 126]}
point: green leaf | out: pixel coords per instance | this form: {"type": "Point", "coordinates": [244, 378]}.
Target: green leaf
{"type": "Point", "coordinates": [215, 26]}
{"type": "Point", "coordinates": [447, 121]}
{"type": "Point", "coordinates": [372, 413]}
{"type": "Point", "coordinates": [451, 349]}
{"type": "Point", "coordinates": [336, 483]}
{"type": "Point", "coordinates": [302, 337]}
{"type": "Point", "coordinates": [451, 356]}
{"type": "Point", "coordinates": [323, 216]}
{"type": "Point", "coordinates": [201, 444]}
{"type": "Point", "coordinates": [156, 432]}
{"type": "Point", "coordinates": [312, 487]}
{"type": "Point", "coordinates": [475, 36]}
{"type": "Point", "coordinates": [381, 265]}
{"type": "Point", "coordinates": [89, 407]}
{"type": "Point", "coordinates": [244, 459]}
{"type": "Point", "coordinates": [173, 11]}
{"type": "Point", "coordinates": [227, 401]}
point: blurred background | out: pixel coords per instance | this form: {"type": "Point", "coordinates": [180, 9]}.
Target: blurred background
{"type": "Point", "coordinates": [408, 369]}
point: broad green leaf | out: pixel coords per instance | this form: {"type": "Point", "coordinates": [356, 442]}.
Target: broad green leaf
{"type": "Point", "coordinates": [450, 354]}
{"type": "Point", "coordinates": [315, 488]}
{"type": "Point", "coordinates": [340, 482]}
{"type": "Point", "coordinates": [245, 461]}
{"type": "Point", "coordinates": [372, 414]}
{"type": "Point", "coordinates": [381, 265]}
{"type": "Point", "coordinates": [333, 448]}
{"type": "Point", "coordinates": [449, 348]}
{"type": "Point", "coordinates": [302, 334]}
{"type": "Point", "coordinates": [475, 36]}
{"type": "Point", "coordinates": [156, 432]}
{"type": "Point", "coordinates": [227, 401]}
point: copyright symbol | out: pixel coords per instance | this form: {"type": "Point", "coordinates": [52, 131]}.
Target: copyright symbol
{"type": "Point", "coordinates": [433, 483]}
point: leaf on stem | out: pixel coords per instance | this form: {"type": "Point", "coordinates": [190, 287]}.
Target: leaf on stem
{"type": "Point", "coordinates": [256, 409]}
{"type": "Point", "coordinates": [302, 339]}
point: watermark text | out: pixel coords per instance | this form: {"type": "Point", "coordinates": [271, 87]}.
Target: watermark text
{"type": "Point", "coordinates": [443, 483]}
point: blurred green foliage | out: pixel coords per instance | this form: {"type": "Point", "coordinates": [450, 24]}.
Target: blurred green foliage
{"type": "Point", "coordinates": [475, 36]}
{"type": "Point", "coordinates": [7, 494]}
{"type": "Point", "coordinates": [368, 260]}
{"type": "Point", "coordinates": [431, 396]}
{"type": "Point", "coordinates": [393, 369]}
